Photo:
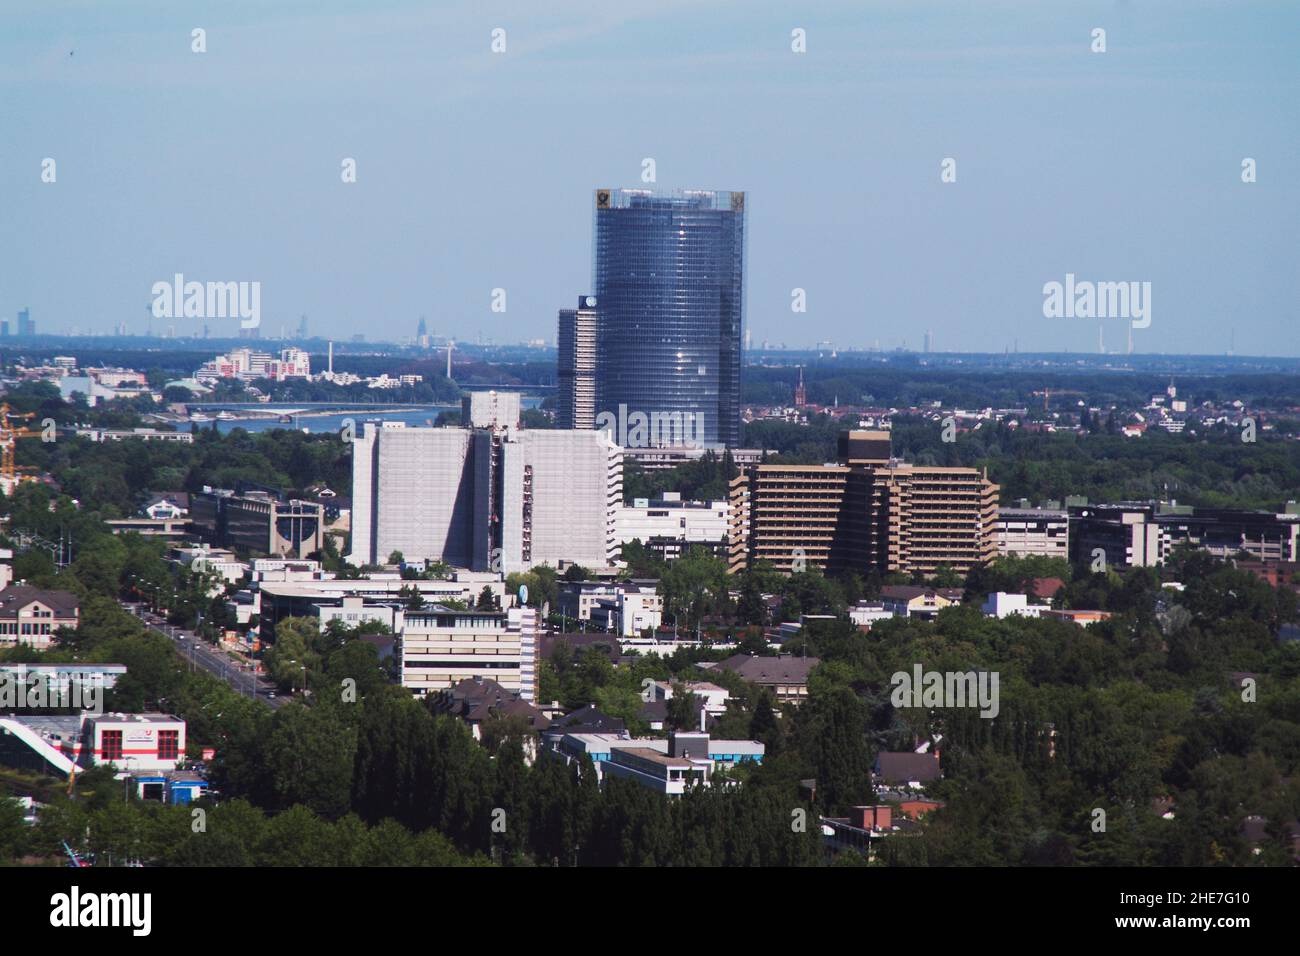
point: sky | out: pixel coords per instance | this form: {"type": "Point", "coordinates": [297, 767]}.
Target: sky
{"type": "Point", "coordinates": [475, 169]}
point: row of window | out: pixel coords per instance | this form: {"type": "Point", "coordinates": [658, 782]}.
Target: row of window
{"type": "Point", "coordinates": [13, 628]}
{"type": "Point", "coordinates": [168, 744]}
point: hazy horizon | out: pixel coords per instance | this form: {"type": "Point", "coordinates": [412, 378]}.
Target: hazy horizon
{"type": "Point", "coordinates": [475, 170]}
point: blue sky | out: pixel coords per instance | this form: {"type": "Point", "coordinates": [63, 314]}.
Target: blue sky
{"type": "Point", "coordinates": [475, 170]}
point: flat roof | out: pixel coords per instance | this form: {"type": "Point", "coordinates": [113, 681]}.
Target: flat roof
{"type": "Point", "coordinates": [49, 726]}
{"type": "Point", "coordinates": [654, 756]}
{"type": "Point", "coordinates": [138, 718]}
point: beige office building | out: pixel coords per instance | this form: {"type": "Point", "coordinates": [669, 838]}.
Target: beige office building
{"type": "Point", "coordinates": [442, 647]}
{"type": "Point", "coordinates": [868, 512]}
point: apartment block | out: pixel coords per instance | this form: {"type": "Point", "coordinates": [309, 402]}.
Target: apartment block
{"type": "Point", "coordinates": [797, 515]}
{"type": "Point", "coordinates": [926, 518]}
{"type": "Point", "coordinates": [738, 519]}
{"type": "Point", "coordinates": [868, 511]}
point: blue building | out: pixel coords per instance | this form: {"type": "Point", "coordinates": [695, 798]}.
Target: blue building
{"type": "Point", "coordinates": [669, 280]}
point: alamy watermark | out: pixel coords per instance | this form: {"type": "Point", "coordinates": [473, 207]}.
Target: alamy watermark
{"type": "Point", "coordinates": [1098, 300]}
{"type": "Point", "coordinates": [947, 689]}
{"type": "Point", "coordinates": [653, 429]}
{"type": "Point", "coordinates": [38, 690]}
{"type": "Point", "coordinates": [208, 300]}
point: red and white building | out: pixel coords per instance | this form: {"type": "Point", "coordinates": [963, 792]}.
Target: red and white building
{"type": "Point", "coordinates": [136, 741]}
{"type": "Point", "coordinates": [248, 365]}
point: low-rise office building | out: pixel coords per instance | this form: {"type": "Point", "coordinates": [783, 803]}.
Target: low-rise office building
{"type": "Point", "coordinates": [670, 526]}
{"type": "Point", "coordinates": [1034, 532]}
{"type": "Point", "coordinates": [275, 600]}
{"type": "Point", "coordinates": [70, 744]}
{"type": "Point", "coordinates": [1002, 605]}
{"type": "Point", "coordinates": [258, 521]}
{"type": "Point", "coordinates": [627, 608]}
{"type": "Point", "coordinates": [1144, 534]}
{"type": "Point", "coordinates": [669, 766]}
{"type": "Point", "coordinates": [143, 434]}
{"type": "Point", "coordinates": [441, 647]}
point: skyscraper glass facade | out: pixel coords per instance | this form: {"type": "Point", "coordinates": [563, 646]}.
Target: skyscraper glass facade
{"type": "Point", "coordinates": [669, 279]}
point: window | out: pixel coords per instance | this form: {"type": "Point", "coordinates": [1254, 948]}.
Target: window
{"type": "Point", "coordinates": [110, 743]}
{"type": "Point", "coordinates": [168, 744]}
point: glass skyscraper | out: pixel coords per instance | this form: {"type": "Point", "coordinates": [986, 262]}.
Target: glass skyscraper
{"type": "Point", "coordinates": [669, 279]}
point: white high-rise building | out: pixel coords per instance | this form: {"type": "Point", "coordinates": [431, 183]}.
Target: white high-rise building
{"type": "Point", "coordinates": [560, 491]}
{"type": "Point", "coordinates": [524, 622]}
{"type": "Point", "coordinates": [412, 492]}
{"type": "Point", "coordinates": [498, 501]}
{"type": "Point", "coordinates": [576, 345]}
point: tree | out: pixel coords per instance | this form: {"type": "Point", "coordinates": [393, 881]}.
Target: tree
{"type": "Point", "coordinates": [291, 660]}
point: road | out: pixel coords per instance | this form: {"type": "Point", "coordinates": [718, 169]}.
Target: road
{"type": "Point", "coordinates": [198, 653]}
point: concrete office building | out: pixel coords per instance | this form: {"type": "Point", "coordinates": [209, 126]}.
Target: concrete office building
{"type": "Point", "coordinates": [1121, 536]}
{"type": "Point", "coordinates": [559, 493]}
{"type": "Point", "coordinates": [576, 344]}
{"type": "Point", "coordinates": [1034, 532]}
{"type": "Point", "coordinates": [869, 511]}
{"type": "Point", "coordinates": [258, 521]}
{"type": "Point", "coordinates": [380, 596]}
{"type": "Point", "coordinates": [1226, 533]}
{"type": "Point", "coordinates": [442, 647]}
{"type": "Point", "coordinates": [526, 622]}
{"type": "Point", "coordinates": [624, 607]}
{"type": "Point", "coordinates": [668, 766]}
{"type": "Point", "coordinates": [499, 411]}
{"type": "Point", "coordinates": [669, 526]}
{"type": "Point", "coordinates": [413, 492]}
{"type": "Point", "coordinates": [1143, 534]}
{"type": "Point", "coordinates": [502, 501]}
{"type": "Point", "coordinates": [668, 457]}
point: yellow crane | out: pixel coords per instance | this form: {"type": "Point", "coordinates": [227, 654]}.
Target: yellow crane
{"type": "Point", "coordinates": [9, 435]}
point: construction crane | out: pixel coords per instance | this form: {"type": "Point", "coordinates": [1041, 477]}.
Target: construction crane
{"type": "Point", "coordinates": [9, 435]}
